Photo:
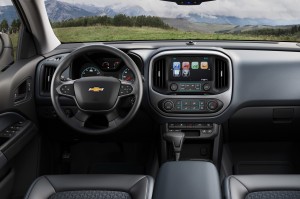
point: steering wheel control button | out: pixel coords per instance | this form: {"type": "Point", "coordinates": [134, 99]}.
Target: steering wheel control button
{"type": "Point", "coordinates": [67, 89]}
{"type": "Point", "coordinates": [125, 89]}
{"type": "Point", "coordinates": [190, 106]}
{"type": "Point", "coordinates": [168, 105]}
{"type": "Point", "coordinates": [174, 87]}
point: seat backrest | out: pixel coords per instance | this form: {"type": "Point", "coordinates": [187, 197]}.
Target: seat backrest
{"type": "Point", "coordinates": [262, 186]}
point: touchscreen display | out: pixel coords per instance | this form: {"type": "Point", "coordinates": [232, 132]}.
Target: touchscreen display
{"type": "Point", "coordinates": [190, 69]}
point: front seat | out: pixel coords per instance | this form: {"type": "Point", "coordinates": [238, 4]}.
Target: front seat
{"type": "Point", "coordinates": [91, 187]}
{"type": "Point", "coordinates": [262, 187]}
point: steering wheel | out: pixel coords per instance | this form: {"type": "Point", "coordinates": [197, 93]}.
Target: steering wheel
{"type": "Point", "coordinates": [96, 95]}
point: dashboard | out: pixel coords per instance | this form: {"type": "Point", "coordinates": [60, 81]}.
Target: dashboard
{"type": "Point", "coordinates": [192, 83]}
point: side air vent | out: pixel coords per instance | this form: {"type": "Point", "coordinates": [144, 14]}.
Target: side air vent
{"type": "Point", "coordinates": [48, 72]}
{"type": "Point", "coordinates": [55, 59]}
{"type": "Point", "coordinates": [159, 74]}
{"type": "Point", "coordinates": [221, 74]}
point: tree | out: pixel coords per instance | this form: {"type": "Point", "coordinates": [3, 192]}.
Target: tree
{"type": "Point", "coordinates": [4, 26]}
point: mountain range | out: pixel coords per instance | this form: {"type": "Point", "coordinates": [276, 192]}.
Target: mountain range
{"type": "Point", "coordinates": [58, 11]}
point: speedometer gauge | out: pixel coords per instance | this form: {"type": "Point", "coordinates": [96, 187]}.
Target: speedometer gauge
{"type": "Point", "coordinates": [89, 70]}
{"type": "Point", "coordinates": [127, 75]}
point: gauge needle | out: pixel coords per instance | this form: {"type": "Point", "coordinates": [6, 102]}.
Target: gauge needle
{"type": "Point", "coordinates": [128, 78]}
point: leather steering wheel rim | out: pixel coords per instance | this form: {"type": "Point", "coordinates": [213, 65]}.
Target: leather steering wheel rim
{"type": "Point", "coordinates": [77, 122]}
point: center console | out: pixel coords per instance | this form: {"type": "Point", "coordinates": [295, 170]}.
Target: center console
{"type": "Point", "coordinates": [187, 87]}
{"type": "Point", "coordinates": [190, 82]}
{"type": "Point", "coordinates": [187, 179]}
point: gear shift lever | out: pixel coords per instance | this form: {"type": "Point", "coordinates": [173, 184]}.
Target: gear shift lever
{"type": "Point", "coordinates": [177, 139]}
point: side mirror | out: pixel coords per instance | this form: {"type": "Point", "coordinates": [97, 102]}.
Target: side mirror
{"type": "Point", "coordinates": [6, 51]}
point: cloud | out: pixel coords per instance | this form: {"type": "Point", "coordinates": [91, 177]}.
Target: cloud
{"type": "Point", "coordinates": [269, 9]}
{"type": "Point", "coordinates": [5, 2]}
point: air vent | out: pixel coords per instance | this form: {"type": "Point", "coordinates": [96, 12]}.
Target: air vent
{"type": "Point", "coordinates": [55, 59]}
{"type": "Point", "coordinates": [159, 74]}
{"type": "Point", "coordinates": [221, 74]}
{"type": "Point", "coordinates": [48, 72]}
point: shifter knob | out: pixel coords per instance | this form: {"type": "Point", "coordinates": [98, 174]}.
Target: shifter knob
{"type": "Point", "coordinates": [177, 139]}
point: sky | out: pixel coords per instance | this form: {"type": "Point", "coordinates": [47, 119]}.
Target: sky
{"type": "Point", "coordinates": [269, 9]}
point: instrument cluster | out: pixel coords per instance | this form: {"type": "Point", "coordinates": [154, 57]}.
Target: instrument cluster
{"type": "Point", "coordinates": [96, 65]}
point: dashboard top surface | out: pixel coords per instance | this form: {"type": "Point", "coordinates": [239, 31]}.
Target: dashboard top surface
{"type": "Point", "coordinates": [263, 73]}
{"type": "Point", "coordinates": [251, 45]}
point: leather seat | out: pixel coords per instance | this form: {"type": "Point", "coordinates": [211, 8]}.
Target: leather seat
{"type": "Point", "coordinates": [262, 187]}
{"type": "Point", "coordinates": [91, 187]}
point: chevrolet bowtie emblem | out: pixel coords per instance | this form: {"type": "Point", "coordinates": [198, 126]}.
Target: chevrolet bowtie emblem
{"type": "Point", "coordinates": [96, 89]}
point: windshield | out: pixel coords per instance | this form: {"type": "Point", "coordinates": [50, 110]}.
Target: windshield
{"type": "Point", "coordinates": [113, 20]}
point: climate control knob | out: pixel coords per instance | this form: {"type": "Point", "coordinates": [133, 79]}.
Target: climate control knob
{"type": "Point", "coordinates": [168, 105]}
{"type": "Point", "coordinates": [212, 105]}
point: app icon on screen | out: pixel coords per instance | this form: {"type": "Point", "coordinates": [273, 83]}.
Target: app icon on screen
{"type": "Point", "coordinates": [185, 73]}
{"type": "Point", "coordinates": [195, 65]}
{"type": "Point", "coordinates": [204, 65]}
{"type": "Point", "coordinates": [176, 69]}
{"type": "Point", "coordinates": [176, 65]}
{"type": "Point", "coordinates": [186, 66]}
{"type": "Point", "coordinates": [176, 73]}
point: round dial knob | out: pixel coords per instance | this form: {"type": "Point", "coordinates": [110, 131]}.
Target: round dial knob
{"type": "Point", "coordinates": [206, 87]}
{"type": "Point", "coordinates": [213, 105]}
{"type": "Point", "coordinates": [168, 105]}
{"type": "Point", "coordinates": [174, 87]}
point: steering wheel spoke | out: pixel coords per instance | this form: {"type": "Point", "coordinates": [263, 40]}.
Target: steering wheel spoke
{"type": "Point", "coordinates": [113, 118]}
{"type": "Point", "coordinates": [81, 117]}
{"type": "Point", "coordinates": [66, 89]}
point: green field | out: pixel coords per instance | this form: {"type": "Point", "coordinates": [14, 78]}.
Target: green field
{"type": "Point", "coordinates": [112, 33]}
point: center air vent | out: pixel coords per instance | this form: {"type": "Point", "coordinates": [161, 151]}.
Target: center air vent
{"type": "Point", "coordinates": [48, 72]}
{"type": "Point", "coordinates": [159, 74]}
{"type": "Point", "coordinates": [221, 74]}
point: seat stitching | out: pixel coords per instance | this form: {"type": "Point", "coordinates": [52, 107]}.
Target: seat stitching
{"type": "Point", "coordinates": [147, 187]}
{"type": "Point", "coordinates": [51, 184]}
{"type": "Point", "coordinates": [229, 187]}
{"type": "Point", "coordinates": [241, 183]}
{"type": "Point", "coordinates": [32, 186]}
{"type": "Point", "coordinates": [137, 182]}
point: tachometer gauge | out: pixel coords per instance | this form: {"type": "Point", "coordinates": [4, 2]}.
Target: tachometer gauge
{"type": "Point", "coordinates": [89, 70]}
{"type": "Point", "coordinates": [127, 75]}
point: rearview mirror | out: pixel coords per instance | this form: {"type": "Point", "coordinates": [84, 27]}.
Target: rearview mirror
{"type": "Point", "coordinates": [6, 51]}
{"type": "Point", "coordinates": [188, 2]}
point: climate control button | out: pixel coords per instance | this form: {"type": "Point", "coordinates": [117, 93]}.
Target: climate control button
{"type": "Point", "coordinates": [190, 106]}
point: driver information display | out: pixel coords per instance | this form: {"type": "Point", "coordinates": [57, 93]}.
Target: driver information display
{"type": "Point", "coordinates": [190, 69]}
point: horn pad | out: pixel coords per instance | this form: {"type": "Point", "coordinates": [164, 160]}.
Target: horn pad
{"type": "Point", "coordinates": [97, 93]}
